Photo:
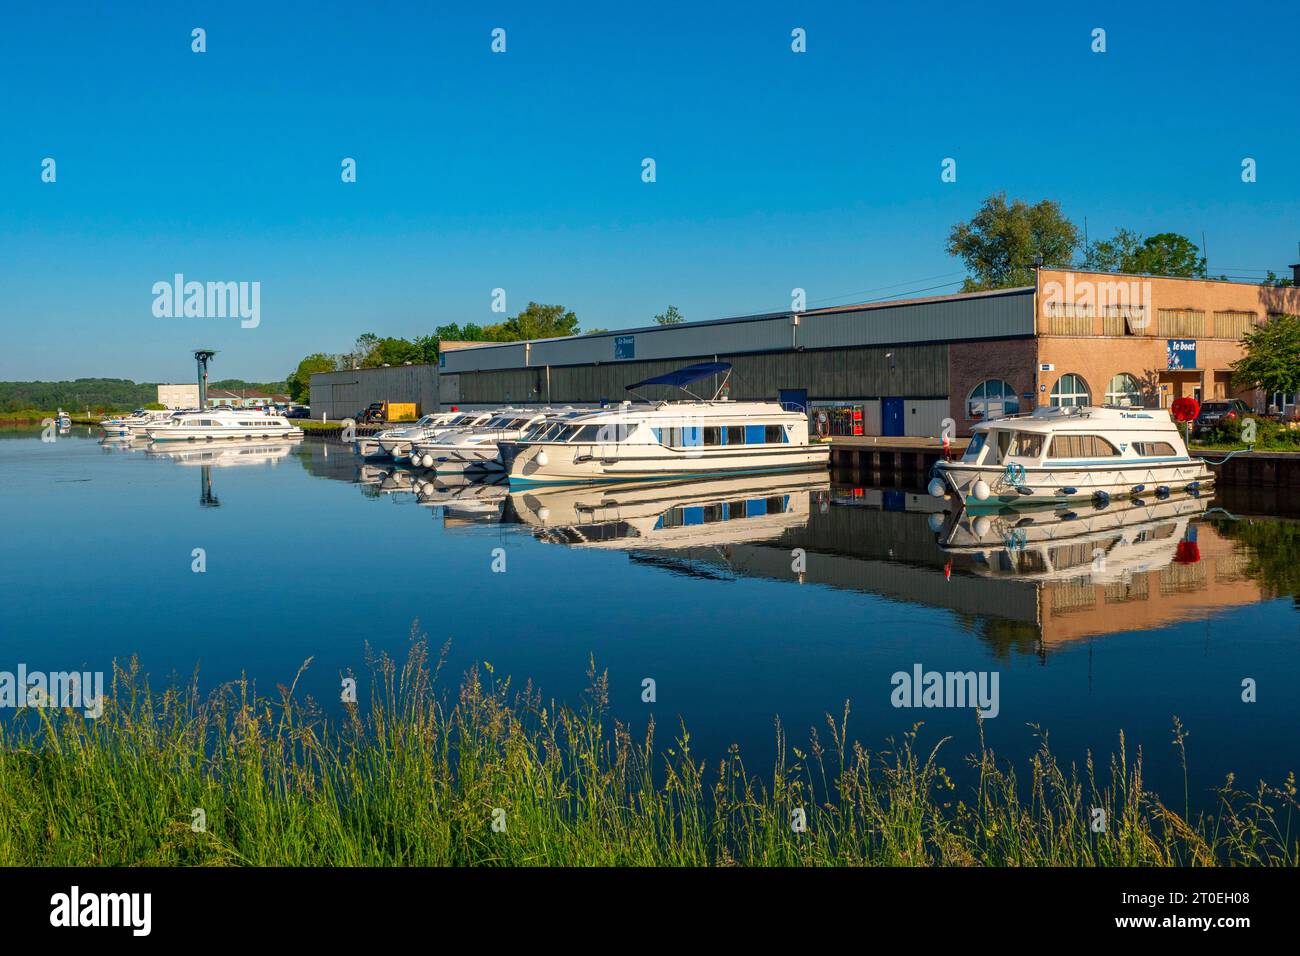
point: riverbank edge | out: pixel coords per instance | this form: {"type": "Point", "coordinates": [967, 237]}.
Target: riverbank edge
{"type": "Point", "coordinates": [491, 775]}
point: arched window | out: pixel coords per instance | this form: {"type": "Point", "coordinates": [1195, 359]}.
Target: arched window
{"type": "Point", "coordinates": [1124, 390]}
{"type": "Point", "coordinates": [992, 399]}
{"type": "Point", "coordinates": [1070, 389]}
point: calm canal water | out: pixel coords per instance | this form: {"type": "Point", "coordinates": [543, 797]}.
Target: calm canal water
{"type": "Point", "coordinates": [742, 601]}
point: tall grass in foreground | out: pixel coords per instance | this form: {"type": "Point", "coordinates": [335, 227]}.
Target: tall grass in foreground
{"type": "Point", "coordinates": [414, 778]}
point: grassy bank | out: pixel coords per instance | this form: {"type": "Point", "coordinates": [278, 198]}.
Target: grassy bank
{"type": "Point", "coordinates": [35, 416]}
{"type": "Point", "coordinates": [314, 425]}
{"type": "Point", "coordinates": [411, 777]}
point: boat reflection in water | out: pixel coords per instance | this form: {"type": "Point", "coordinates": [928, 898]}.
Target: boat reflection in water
{"type": "Point", "coordinates": [657, 515]}
{"type": "Point", "coordinates": [464, 500]}
{"type": "Point", "coordinates": [1105, 544]}
{"type": "Point", "coordinates": [1129, 566]}
{"type": "Point", "coordinates": [227, 454]}
{"type": "Point", "coordinates": [1022, 580]}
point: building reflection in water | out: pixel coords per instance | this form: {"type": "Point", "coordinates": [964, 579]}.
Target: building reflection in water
{"type": "Point", "coordinates": [1024, 581]}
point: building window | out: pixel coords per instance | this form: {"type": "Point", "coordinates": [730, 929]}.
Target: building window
{"type": "Point", "coordinates": [992, 399]}
{"type": "Point", "coordinates": [1181, 323]}
{"type": "Point", "coordinates": [1124, 389]}
{"type": "Point", "coordinates": [1069, 318]}
{"type": "Point", "coordinates": [1070, 390]}
{"type": "Point", "coordinates": [1233, 325]}
{"type": "Point", "coordinates": [1123, 320]}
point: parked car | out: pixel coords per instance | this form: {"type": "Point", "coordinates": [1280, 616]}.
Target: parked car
{"type": "Point", "coordinates": [374, 412]}
{"type": "Point", "coordinates": [1214, 411]}
{"type": "Point", "coordinates": [299, 411]}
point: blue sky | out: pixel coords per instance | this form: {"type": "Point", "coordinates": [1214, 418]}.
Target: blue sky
{"type": "Point", "coordinates": [522, 170]}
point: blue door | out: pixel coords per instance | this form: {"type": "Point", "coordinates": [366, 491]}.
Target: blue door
{"type": "Point", "coordinates": [794, 399]}
{"type": "Point", "coordinates": [891, 416]}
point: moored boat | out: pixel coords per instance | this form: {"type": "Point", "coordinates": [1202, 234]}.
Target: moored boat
{"type": "Point", "coordinates": [405, 450]}
{"type": "Point", "coordinates": [1070, 454]}
{"type": "Point", "coordinates": [479, 447]}
{"type": "Point", "coordinates": [245, 424]}
{"type": "Point", "coordinates": [135, 424]}
{"type": "Point", "coordinates": [700, 438]}
{"type": "Point", "coordinates": [396, 442]}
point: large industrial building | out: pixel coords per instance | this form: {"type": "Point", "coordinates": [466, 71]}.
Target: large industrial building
{"type": "Point", "coordinates": [339, 395]}
{"type": "Point", "coordinates": [902, 367]}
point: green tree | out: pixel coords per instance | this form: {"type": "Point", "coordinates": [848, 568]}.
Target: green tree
{"type": "Point", "coordinates": [670, 317]}
{"type": "Point", "coordinates": [391, 351]}
{"type": "Point", "coordinates": [426, 346]}
{"type": "Point", "coordinates": [1272, 360]}
{"type": "Point", "coordinates": [1164, 254]}
{"type": "Point", "coordinates": [299, 383]}
{"type": "Point", "coordinates": [1001, 242]}
{"type": "Point", "coordinates": [535, 322]}
{"type": "Point", "coordinates": [469, 332]}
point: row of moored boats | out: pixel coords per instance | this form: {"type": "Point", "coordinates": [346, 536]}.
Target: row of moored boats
{"type": "Point", "coordinates": [646, 441]}
{"type": "Point", "coordinates": [1052, 456]}
{"type": "Point", "coordinates": [199, 425]}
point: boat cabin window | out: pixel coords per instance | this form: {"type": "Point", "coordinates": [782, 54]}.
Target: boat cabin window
{"type": "Point", "coordinates": [693, 436]}
{"type": "Point", "coordinates": [1081, 446]}
{"type": "Point", "coordinates": [608, 433]}
{"type": "Point", "coordinates": [974, 448]}
{"type": "Point", "coordinates": [1154, 449]}
{"type": "Point", "coordinates": [1011, 444]}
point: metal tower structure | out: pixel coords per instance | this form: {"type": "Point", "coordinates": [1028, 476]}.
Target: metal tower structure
{"type": "Point", "coordinates": [202, 356]}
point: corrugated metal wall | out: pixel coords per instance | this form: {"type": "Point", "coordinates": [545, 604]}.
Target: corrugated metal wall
{"type": "Point", "coordinates": [911, 371]}
{"type": "Point", "coordinates": [861, 355]}
{"type": "Point", "coordinates": [339, 395]}
{"type": "Point", "coordinates": [991, 316]}
{"type": "Point", "coordinates": [981, 317]}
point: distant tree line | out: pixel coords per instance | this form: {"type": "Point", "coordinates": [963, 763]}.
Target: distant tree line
{"type": "Point", "coordinates": [536, 321]}
{"type": "Point", "coordinates": [104, 393]}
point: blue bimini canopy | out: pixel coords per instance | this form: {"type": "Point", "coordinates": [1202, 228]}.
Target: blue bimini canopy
{"type": "Point", "coordinates": [684, 376]}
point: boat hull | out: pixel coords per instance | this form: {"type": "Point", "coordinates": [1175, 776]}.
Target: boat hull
{"type": "Point", "coordinates": [220, 434]}
{"type": "Point", "coordinates": [1041, 486]}
{"type": "Point", "coordinates": [570, 464]}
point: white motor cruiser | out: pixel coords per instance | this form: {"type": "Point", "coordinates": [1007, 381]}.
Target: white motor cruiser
{"type": "Point", "coordinates": [404, 450]}
{"type": "Point", "coordinates": [135, 424]}
{"type": "Point", "coordinates": [477, 447]}
{"type": "Point", "coordinates": [396, 442]}
{"type": "Point", "coordinates": [701, 438]}
{"type": "Point", "coordinates": [1072, 453]}
{"type": "Point", "coordinates": [211, 425]}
